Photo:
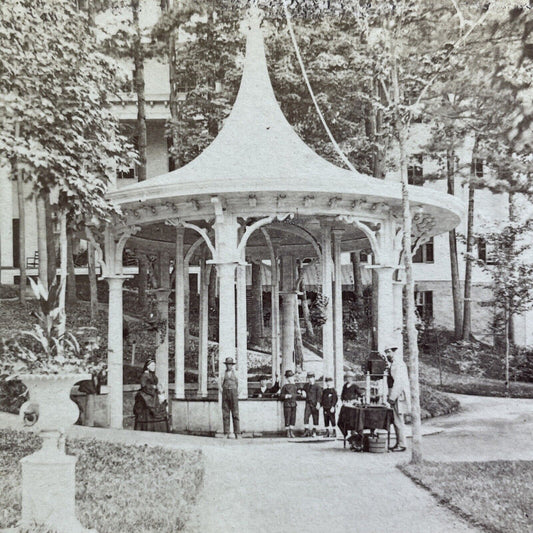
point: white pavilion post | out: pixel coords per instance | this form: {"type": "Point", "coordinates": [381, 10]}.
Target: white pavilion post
{"type": "Point", "coordinates": [337, 310]}
{"type": "Point", "coordinates": [327, 292]}
{"type": "Point", "coordinates": [288, 309]}
{"type": "Point", "coordinates": [242, 332]}
{"type": "Point", "coordinates": [203, 329]}
{"type": "Point", "coordinates": [385, 304]}
{"type": "Point", "coordinates": [274, 317]}
{"type": "Point", "coordinates": [115, 351]}
{"type": "Point", "coordinates": [179, 350]}
{"type": "Point", "coordinates": [226, 314]}
{"type": "Point", "coordinates": [162, 294]}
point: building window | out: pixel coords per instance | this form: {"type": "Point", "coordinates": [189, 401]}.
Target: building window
{"type": "Point", "coordinates": [485, 253]}
{"type": "Point", "coordinates": [477, 167]}
{"type": "Point", "coordinates": [15, 228]}
{"type": "Point", "coordinates": [415, 171]}
{"type": "Point", "coordinates": [424, 304]}
{"type": "Point", "coordinates": [131, 173]}
{"type": "Point", "coordinates": [424, 254]}
{"type": "Point", "coordinates": [171, 164]}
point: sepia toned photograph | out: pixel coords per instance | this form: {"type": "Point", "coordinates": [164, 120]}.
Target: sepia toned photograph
{"type": "Point", "coordinates": [266, 266]}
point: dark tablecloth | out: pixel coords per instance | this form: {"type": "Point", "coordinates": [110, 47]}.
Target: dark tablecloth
{"type": "Point", "coordinates": [359, 418]}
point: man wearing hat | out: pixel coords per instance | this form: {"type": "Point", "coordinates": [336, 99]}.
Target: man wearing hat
{"type": "Point", "coordinates": [399, 394]}
{"type": "Point", "coordinates": [288, 395]}
{"type": "Point", "coordinates": [230, 398]}
{"type": "Point", "coordinates": [312, 392]}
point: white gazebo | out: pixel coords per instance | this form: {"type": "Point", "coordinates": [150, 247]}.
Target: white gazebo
{"type": "Point", "coordinates": [259, 193]}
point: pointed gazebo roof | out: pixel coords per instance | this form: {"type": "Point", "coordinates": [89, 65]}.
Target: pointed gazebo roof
{"type": "Point", "coordinates": [258, 151]}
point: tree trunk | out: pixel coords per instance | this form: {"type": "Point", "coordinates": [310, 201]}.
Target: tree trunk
{"type": "Point", "coordinates": [93, 287]}
{"type": "Point", "coordinates": [22, 234]}
{"type": "Point", "coordinates": [357, 283]}
{"type": "Point", "coordinates": [412, 334]}
{"type": "Point", "coordinates": [298, 341]}
{"type": "Point", "coordinates": [63, 247]}
{"type": "Point", "coordinates": [507, 318]}
{"type": "Point", "coordinates": [256, 309]}
{"type": "Point", "coordinates": [138, 62]}
{"type": "Point", "coordinates": [512, 218]}
{"type": "Point", "coordinates": [50, 242]}
{"type": "Point", "coordinates": [467, 304]}
{"type": "Point", "coordinates": [72, 297]}
{"type": "Point", "coordinates": [454, 264]}
{"type": "Point", "coordinates": [41, 241]}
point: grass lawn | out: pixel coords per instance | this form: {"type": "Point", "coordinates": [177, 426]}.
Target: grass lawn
{"type": "Point", "coordinates": [119, 488]}
{"type": "Point", "coordinates": [496, 495]}
{"type": "Point", "coordinates": [476, 385]}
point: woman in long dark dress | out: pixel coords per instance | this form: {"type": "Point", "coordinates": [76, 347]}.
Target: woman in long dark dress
{"type": "Point", "coordinates": [150, 412]}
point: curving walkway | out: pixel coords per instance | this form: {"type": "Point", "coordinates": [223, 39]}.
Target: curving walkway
{"type": "Point", "coordinates": [271, 485]}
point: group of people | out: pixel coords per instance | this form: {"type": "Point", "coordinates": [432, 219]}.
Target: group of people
{"type": "Point", "coordinates": [151, 406]}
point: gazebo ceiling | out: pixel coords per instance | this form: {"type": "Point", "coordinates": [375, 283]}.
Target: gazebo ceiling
{"type": "Point", "coordinates": [259, 166]}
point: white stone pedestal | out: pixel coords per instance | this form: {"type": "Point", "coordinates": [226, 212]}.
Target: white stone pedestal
{"type": "Point", "coordinates": [48, 488]}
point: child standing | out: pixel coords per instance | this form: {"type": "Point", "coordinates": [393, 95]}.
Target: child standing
{"type": "Point", "coordinates": [312, 392]}
{"type": "Point", "coordinates": [329, 402]}
{"type": "Point", "coordinates": [288, 395]}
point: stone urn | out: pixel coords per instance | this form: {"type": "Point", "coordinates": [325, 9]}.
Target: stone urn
{"type": "Point", "coordinates": [48, 475]}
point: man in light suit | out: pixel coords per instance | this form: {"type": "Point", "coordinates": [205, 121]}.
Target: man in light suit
{"type": "Point", "coordinates": [399, 395]}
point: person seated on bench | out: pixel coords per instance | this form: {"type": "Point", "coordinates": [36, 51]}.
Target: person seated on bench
{"type": "Point", "coordinates": [265, 391]}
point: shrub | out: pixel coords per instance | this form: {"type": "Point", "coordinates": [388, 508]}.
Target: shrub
{"type": "Point", "coordinates": [119, 488]}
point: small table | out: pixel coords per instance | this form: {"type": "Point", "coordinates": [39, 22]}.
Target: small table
{"type": "Point", "coordinates": [357, 418]}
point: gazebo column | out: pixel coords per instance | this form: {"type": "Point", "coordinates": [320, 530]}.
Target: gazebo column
{"type": "Point", "coordinates": [384, 304]}
{"type": "Point", "coordinates": [179, 353]}
{"type": "Point", "coordinates": [274, 317]}
{"type": "Point", "coordinates": [397, 288]}
{"type": "Point", "coordinates": [256, 311]}
{"type": "Point", "coordinates": [162, 294]}
{"type": "Point", "coordinates": [203, 329]}
{"type": "Point", "coordinates": [161, 351]}
{"type": "Point", "coordinates": [288, 309]}
{"type": "Point", "coordinates": [242, 332]}
{"type": "Point", "coordinates": [226, 314]}
{"type": "Point", "coordinates": [115, 351]}
{"type": "Point", "coordinates": [337, 310]}
{"type": "Point", "coordinates": [327, 293]}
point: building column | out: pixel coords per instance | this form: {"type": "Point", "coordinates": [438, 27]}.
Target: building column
{"type": "Point", "coordinates": [6, 219]}
{"type": "Point", "coordinates": [203, 328]}
{"type": "Point", "coordinates": [274, 317]}
{"type": "Point", "coordinates": [288, 309]}
{"type": "Point", "coordinates": [337, 311]}
{"type": "Point", "coordinates": [242, 332]}
{"type": "Point", "coordinates": [327, 293]}
{"type": "Point", "coordinates": [384, 304]}
{"type": "Point", "coordinates": [179, 350]}
{"type": "Point", "coordinates": [226, 314]}
{"type": "Point", "coordinates": [115, 351]}
{"type": "Point", "coordinates": [397, 335]}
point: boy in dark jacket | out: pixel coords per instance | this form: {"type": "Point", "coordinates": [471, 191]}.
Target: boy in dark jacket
{"type": "Point", "coordinates": [329, 402]}
{"type": "Point", "coordinates": [312, 392]}
{"type": "Point", "coordinates": [288, 395]}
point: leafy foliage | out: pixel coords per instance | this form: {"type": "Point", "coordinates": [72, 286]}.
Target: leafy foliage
{"type": "Point", "coordinates": [55, 109]}
{"type": "Point", "coordinates": [159, 499]}
{"type": "Point", "coordinates": [40, 350]}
